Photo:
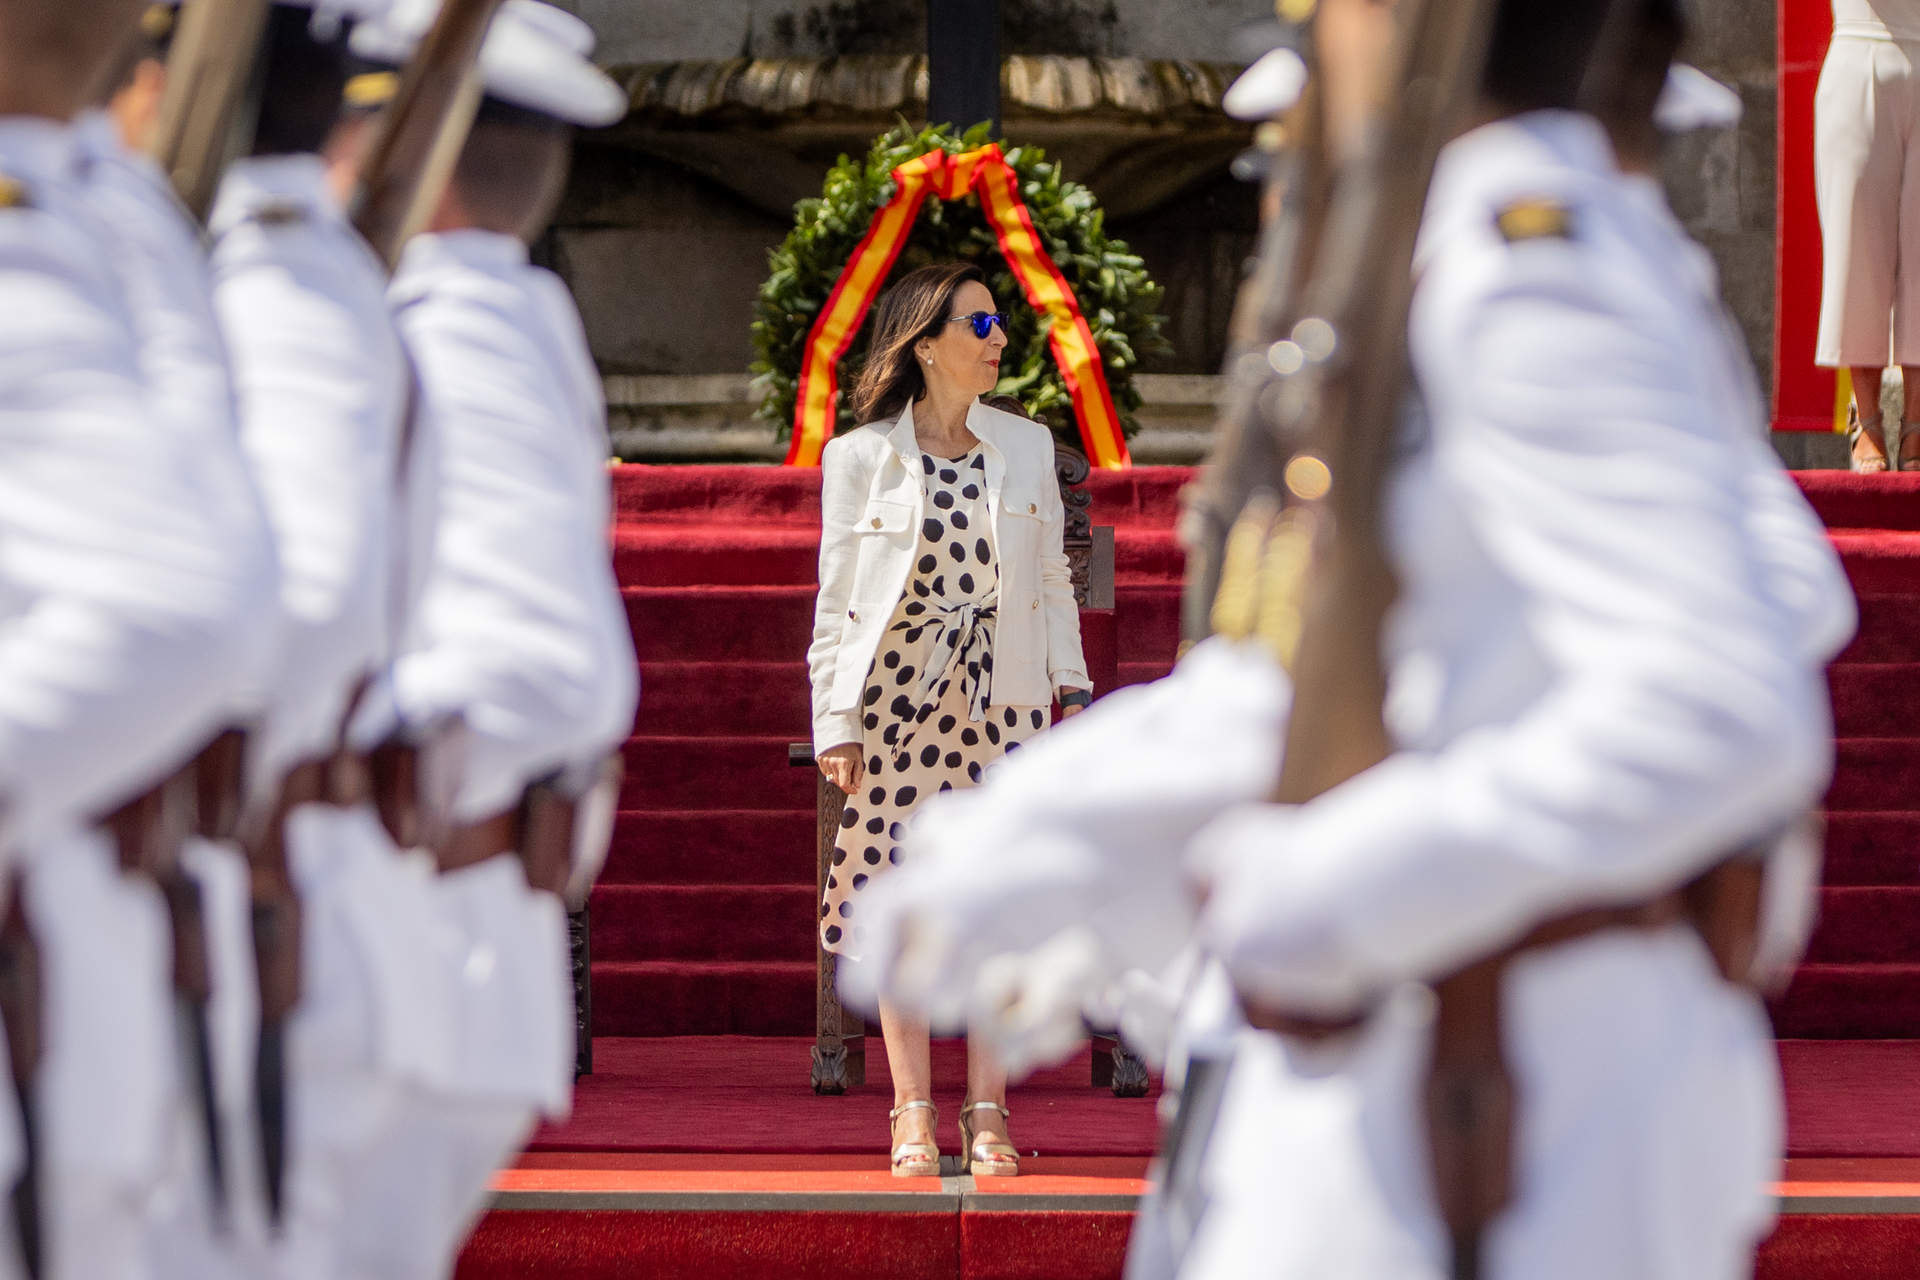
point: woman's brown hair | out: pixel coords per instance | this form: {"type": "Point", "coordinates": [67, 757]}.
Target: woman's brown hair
{"type": "Point", "coordinates": [917, 307]}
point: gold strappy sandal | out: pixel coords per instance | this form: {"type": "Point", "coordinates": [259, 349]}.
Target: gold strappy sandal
{"type": "Point", "coordinates": [1875, 433]}
{"type": "Point", "coordinates": [987, 1157]}
{"type": "Point", "coordinates": [1909, 459]}
{"type": "Point", "coordinates": [915, 1159]}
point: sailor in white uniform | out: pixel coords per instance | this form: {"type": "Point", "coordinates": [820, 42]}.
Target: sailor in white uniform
{"type": "Point", "coordinates": [521, 631]}
{"type": "Point", "coordinates": [323, 390]}
{"type": "Point", "coordinates": [158, 251]}
{"type": "Point", "coordinates": [1606, 672]}
{"type": "Point", "coordinates": [128, 590]}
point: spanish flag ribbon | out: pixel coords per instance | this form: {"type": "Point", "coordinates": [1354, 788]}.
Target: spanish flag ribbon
{"type": "Point", "coordinates": [986, 173]}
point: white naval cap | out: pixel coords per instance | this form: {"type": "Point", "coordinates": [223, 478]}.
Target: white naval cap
{"type": "Point", "coordinates": [1695, 100]}
{"type": "Point", "coordinates": [536, 57]}
{"type": "Point", "coordinates": [1268, 87]}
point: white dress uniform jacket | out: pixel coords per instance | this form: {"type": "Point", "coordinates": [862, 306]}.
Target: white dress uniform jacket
{"type": "Point", "coordinates": [322, 386]}
{"type": "Point", "coordinates": [130, 575]}
{"type": "Point", "coordinates": [122, 604]}
{"type": "Point", "coordinates": [158, 251]}
{"type": "Point", "coordinates": [521, 629]}
{"type": "Point", "coordinates": [871, 500]}
{"type": "Point", "coordinates": [1607, 672]}
{"type": "Point", "coordinates": [521, 632]}
{"type": "Point", "coordinates": [321, 382]}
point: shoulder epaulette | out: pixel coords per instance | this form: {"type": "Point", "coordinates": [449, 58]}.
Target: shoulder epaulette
{"type": "Point", "coordinates": [14, 194]}
{"type": "Point", "coordinates": [1537, 218]}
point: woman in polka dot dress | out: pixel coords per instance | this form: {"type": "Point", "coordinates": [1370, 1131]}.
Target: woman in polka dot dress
{"type": "Point", "coordinates": [945, 626]}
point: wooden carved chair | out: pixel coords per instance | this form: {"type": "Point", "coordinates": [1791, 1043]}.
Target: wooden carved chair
{"type": "Point", "coordinates": [839, 1044]}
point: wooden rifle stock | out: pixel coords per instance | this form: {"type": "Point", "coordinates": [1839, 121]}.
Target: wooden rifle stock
{"type": "Point", "coordinates": [1347, 399]}
{"type": "Point", "coordinates": [1244, 455]}
{"type": "Point", "coordinates": [1331, 411]}
{"type": "Point", "coordinates": [202, 113]}
{"type": "Point", "coordinates": [21, 1014]}
{"type": "Point", "coordinates": [420, 132]}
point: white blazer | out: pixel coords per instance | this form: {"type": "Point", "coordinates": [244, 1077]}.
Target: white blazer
{"type": "Point", "coordinates": [870, 510]}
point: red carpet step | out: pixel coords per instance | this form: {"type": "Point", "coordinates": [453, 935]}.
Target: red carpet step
{"type": "Point", "coordinates": [703, 923]}
{"type": "Point", "coordinates": [993, 1246]}
{"type": "Point", "coordinates": [748, 1096]}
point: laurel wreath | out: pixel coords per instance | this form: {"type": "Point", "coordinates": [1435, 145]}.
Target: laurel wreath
{"type": "Point", "coordinates": [1118, 296]}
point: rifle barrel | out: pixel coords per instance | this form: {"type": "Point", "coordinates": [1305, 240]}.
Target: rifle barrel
{"type": "Point", "coordinates": [400, 176]}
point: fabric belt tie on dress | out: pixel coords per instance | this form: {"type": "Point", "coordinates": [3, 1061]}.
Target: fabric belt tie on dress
{"type": "Point", "coordinates": [961, 651]}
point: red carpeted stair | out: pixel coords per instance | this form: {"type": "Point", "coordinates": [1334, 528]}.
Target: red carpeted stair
{"type": "Point", "coordinates": [1862, 977]}
{"type": "Point", "coordinates": [703, 923]}
{"type": "Point", "coordinates": [704, 919]}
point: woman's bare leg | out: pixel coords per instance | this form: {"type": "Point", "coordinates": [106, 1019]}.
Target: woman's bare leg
{"type": "Point", "coordinates": [910, 1059]}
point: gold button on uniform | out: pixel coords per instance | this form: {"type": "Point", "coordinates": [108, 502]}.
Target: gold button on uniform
{"type": "Point", "coordinates": [1032, 509]}
{"type": "Point", "coordinates": [1034, 605]}
{"type": "Point", "coordinates": [876, 522]}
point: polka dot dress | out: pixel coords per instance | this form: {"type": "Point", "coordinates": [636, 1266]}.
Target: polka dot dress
{"type": "Point", "coordinates": [929, 724]}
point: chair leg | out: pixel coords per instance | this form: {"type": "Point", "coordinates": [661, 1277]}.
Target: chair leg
{"type": "Point", "coordinates": [1117, 1068]}
{"type": "Point", "coordinates": [839, 1041]}
{"type": "Point", "coordinates": [580, 935]}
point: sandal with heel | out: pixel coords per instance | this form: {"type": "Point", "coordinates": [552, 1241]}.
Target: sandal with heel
{"type": "Point", "coordinates": [1909, 458]}
{"type": "Point", "coordinates": [1875, 433]}
{"type": "Point", "coordinates": [915, 1159]}
{"type": "Point", "coordinates": [987, 1157]}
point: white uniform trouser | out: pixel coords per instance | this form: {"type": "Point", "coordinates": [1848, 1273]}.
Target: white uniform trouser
{"type": "Point", "coordinates": [1650, 1125]}
{"type": "Point", "coordinates": [424, 1192]}
{"type": "Point", "coordinates": [107, 1081]}
{"type": "Point", "coordinates": [1867, 178]}
{"type": "Point", "coordinates": [373, 1020]}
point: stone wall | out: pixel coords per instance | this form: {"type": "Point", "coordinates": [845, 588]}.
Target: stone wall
{"type": "Point", "coordinates": [665, 258]}
{"type": "Point", "coordinates": [1722, 184]}
{"type": "Point", "coordinates": [671, 30]}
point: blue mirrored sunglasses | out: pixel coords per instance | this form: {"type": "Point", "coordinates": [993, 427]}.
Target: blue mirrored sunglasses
{"type": "Point", "coordinates": [982, 322]}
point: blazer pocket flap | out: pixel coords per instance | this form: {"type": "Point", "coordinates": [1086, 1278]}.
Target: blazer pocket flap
{"type": "Point", "coordinates": [884, 517]}
{"type": "Point", "coordinates": [1025, 505]}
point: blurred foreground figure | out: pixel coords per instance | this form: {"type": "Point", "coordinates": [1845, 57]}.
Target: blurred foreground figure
{"type": "Point", "coordinates": [128, 596]}
{"type": "Point", "coordinates": [1605, 690]}
{"type": "Point", "coordinates": [352, 1008]}
{"type": "Point", "coordinates": [158, 251]}
{"type": "Point", "coordinates": [520, 632]}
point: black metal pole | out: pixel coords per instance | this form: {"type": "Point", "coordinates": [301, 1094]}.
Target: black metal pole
{"type": "Point", "coordinates": [963, 62]}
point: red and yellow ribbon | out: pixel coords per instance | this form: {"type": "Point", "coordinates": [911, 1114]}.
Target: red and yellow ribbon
{"type": "Point", "coordinates": [984, 172]}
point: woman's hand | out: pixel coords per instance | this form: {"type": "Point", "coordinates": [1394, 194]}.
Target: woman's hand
{"type": "Point", "coordinates": [843, 766]}
{"type": "Point", "coordinates": [1068, 713]}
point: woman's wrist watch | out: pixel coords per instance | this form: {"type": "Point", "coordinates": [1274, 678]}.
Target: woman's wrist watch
{"type": "Point", "coordinates": [1075, 698]}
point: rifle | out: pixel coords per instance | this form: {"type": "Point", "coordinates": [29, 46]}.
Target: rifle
{"type": "Point", "coordinates": [20, 1013]}
{"type": "Point", "coordinates": [1244, 456]}
{"type": "Point", "coordinates": [148, 832]}
{"type": "Point", "coordinates": [207, 108]}
{"type": "Point", "coordinates": [420, 133]}
{"type": "Point", "coordinates": [206, 112]}
{"type": "Point", "coordinates": [1321, 377]}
